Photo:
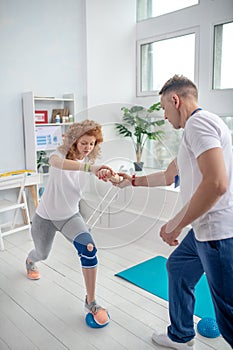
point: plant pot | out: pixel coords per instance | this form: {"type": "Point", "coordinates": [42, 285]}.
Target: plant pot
{"type": "Point", "coordinates": [138, 166]}
{"type": "Point", "coordinates": [45, 169]}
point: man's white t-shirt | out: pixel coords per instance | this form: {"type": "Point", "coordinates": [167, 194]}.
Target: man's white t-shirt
{"type": "Point", "coordinates": [62, 194]}
{"type": "Point", "coordinates": [204, 131]}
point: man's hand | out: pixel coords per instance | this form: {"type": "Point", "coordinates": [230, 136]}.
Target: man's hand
{"type": "Point", "coordinates": [169, 236]}
{"type": "Point", "coordinates": [126, 181]}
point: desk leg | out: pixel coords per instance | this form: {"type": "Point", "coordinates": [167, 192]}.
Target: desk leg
{"type": "Point", "coordinates": [34, 195]}
{"type": "Point", "coordinates": [32, 189]}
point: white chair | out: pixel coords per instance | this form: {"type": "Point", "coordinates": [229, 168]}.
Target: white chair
{"type": "Point", "coordinates": [7, 183]}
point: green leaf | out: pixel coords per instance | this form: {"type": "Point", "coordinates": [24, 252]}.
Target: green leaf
{"type": "Point", "coordinates": [123, 130]}
{"type": "Point", "coordinates": [154, 107]}
{"type": "Point", "coordinates": [136, 109]}
{"type": "Point", "coordinates": [160, 122]}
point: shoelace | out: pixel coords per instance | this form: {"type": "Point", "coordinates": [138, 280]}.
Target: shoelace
{"type": "Point", "coordinates": [93, 307]}
{"type": "Point", "coordinates": [32, 266]}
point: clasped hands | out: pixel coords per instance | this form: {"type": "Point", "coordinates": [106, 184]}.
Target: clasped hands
{"type": "Point", "coordinates": [106, 174]}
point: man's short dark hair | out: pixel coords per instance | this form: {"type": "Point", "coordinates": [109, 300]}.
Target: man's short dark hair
{"type": "Point", "coordinates": [180, 85]}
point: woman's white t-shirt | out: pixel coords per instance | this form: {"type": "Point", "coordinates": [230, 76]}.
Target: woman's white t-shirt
{"type": "Point", "coordinates": [62, 194]}
{"type": "Point", "coordinates": [202, 132]}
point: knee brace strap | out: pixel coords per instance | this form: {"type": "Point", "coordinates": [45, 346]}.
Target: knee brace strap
{"type": "Point", "coordinates": [88, 257]}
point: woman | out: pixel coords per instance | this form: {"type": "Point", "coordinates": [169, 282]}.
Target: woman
{"type": "Point", "coordinates": [58, 208]}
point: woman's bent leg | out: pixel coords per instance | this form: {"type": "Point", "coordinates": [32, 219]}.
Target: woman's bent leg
{"type": "Point", "coordinates": [43, 233]}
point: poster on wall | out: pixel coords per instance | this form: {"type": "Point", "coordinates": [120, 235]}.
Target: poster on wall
{"type": "Point", "coordinates": [48, 137]}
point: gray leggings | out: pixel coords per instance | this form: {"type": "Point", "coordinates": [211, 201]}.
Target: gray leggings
{"type": "Point", "coordinates": [43, 232]}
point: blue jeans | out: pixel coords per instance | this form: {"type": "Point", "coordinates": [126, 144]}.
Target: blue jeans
{"type": "Point", "coordinates": [185, 267]}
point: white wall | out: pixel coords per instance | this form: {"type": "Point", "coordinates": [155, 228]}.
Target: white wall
{"type": "Point", "coordinates": [111, 69]}
{"type": "Point", "coordinates": [111, 33]}
{"type": "Point", "coordinates": [111, 48]}
{"type": "Point", "coordinates": [205, 16]}
{"type": "Point", "coordinates": [43, 49]}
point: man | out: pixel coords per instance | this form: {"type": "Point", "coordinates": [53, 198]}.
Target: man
{"type": "Point", "coordinates": [204, 165]}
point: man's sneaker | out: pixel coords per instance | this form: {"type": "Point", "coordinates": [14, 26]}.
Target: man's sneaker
{"type": "Point", "coordinates": [164, 340]}
{"type": "Point", "coordinates": [100, 315]}
{"type": "Point", "coordinates": [32, 271]}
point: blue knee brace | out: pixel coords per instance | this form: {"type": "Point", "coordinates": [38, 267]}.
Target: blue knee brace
{"type": "Point", "coordinates": [88, 257]}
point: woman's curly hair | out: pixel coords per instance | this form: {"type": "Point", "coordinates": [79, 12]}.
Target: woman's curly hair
{"type": "Point", "coordinates": [75, 131]}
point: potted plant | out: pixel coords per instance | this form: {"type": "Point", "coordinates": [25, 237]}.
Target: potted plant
{"type": "Point", "coordinates": [140, 125]}
{"type": "Point", "coordinates": [43, 162]}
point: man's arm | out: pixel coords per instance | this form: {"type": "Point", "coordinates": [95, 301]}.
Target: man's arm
{"type": "Point", "coordinates": [160, 178]}
{"type": "Point", "coordinates": [213, 185]}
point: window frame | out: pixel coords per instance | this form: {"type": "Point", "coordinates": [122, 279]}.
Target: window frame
{"type": "Point", "coordinates": [225, 21]}
{"type": "Point", "coordinates": [191, 30]}
{"type": "Point", "coordinates": [164, 14]}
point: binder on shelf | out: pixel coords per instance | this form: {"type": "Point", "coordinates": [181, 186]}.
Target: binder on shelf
{"type": "Point", "coordinates": [41, 117]}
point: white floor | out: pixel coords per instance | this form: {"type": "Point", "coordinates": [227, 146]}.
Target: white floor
{"type": "Point", "coordinates": [48, 314]}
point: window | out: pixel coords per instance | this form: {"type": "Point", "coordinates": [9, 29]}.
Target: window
{"type": "Point", "coordinates": [161, 59]}
{"type": "Point", "coordinates": [223, 56]}
{"type": "Point", "coordinates": [153, 8]}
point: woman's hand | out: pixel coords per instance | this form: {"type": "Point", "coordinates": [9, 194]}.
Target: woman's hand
{"type": "Point", "coordinates": [103, 172]}
{"type": "Point", "coordinates": [107, 175]}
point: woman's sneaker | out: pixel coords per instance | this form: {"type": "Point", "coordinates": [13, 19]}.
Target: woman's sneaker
{"type": "Point", "coordinates": [32, 270]}
{"type": "Point", "coordinates": [164, 340]}
{"type": "Point", "coordinates": [100, 315]}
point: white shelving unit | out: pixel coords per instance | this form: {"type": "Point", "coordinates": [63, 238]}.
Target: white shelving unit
{"type": "Point", "coordinates": [44, 136]}
{"type": "Point", "coordinates": [31, 129]}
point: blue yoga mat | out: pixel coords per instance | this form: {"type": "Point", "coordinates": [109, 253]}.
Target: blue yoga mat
{"type": "Point", "coordinates": [151, 275]}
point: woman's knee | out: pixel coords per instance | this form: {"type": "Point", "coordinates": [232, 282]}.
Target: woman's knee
{"type": "Point", "coordinates": [37, 255]}
{"type": "Point", "coordinates": [86, 249]}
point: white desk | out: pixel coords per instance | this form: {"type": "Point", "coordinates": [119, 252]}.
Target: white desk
{"type": "Point", "coordinates": [19, 183]}
{"type": "Point", "coordinates": [31, 181]}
